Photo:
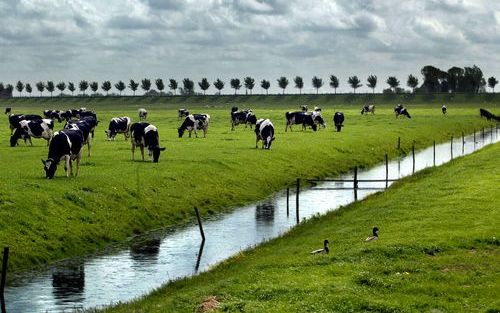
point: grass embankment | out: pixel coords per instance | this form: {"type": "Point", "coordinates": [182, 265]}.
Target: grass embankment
{"type": "Point", "coordinates": [438, 252]}
{"type": "Point", "coordinates": [114, 198]}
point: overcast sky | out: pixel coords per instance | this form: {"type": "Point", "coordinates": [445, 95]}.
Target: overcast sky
{"type": "Point", "coordinates": [70, 40]}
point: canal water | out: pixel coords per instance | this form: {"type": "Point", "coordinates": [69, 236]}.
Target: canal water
{"type": "Point", "coordinates": [152, 261]}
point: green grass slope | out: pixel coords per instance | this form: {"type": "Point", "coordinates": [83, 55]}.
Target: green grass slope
{"type": "Point", "coordinates": [114, 198]}
{"type": "Point", "coordinates": [438, 252]}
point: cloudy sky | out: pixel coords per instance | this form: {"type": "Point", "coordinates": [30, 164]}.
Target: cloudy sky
{"type": "Point", "coordinates": [70, 40]}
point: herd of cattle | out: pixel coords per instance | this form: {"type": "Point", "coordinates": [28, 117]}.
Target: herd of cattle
{"type": "Point", "coordinates": [66, 145]}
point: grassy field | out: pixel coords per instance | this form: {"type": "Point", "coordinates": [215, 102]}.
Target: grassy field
{"type": "Point", "coordinates": [114, 198]}
{"type": "Point", "coordinates": [438, 252]}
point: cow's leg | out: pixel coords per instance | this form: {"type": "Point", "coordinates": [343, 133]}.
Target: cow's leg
{"type": "Point", "coordinates": [256, 143]}
{"type": "Point", "coordinates": [88, 145]}
{"type": "Point", "coordinates": [142, 152]}
{"type": "Point", "coordinates": [190, 133]}
{"type": "Point", "coordinates": [67, 166]}
{"type": "Point", "coordinates": [196, 132]}
{"type": "Point", "coordinates": [205, 132]}
{"type": "Point", "coordinates": [232, 125]}
{"type": "Point", "coordinates": [133, 150]}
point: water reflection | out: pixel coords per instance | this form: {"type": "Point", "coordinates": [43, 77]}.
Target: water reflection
{"type": "Point", "coordinates": [145, 250]}
{"type": "Point", "coordinates": [68, 283]}
{"type": "Point", "coordinates": [264, 213]}
{"type": "Point", "coordinates": [198, 258]}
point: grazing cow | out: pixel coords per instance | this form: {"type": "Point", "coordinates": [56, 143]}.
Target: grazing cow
{"type": "Point", "coordinates": [182, 113]}
{"type": "Point", "coordinates": [299, 118]}
{"type": "Point", "coordinates": [53, 114]}
{"type": "Point", "coordinates": [401, 110]}
{"type": "Point", "coordinates": [73, 114]}
{"type": "Point", "coordinates": [489, 116]}
{"type": "Point", "coordinates": [143, 114]}
{"type": "Point", "coordinates": [264, 130]}
{"type": "Point", "coordinates": [86, 125]}
{"type": "Point", "coordinates": [8, 110]}
{"type": "Point", "coordinates": [36, 128]}
{"type": "Point", "coordinates": [304, 108]}
{"type": "Point", "coordinates": [338, 120]}
{"type": "Point", "coordinates": [14, 120]}
{"type": "Point", "coordinates": [142, 135]}
{"type": "Point", "coordinates": [66, 144]}
{"type": "Point", "coordinates": [318, 118]}
{"type": "Point", "coordinates": [118, 125]}
{"type": "Point", "coordinates": [242, 117]}
{"type": "Point", "coordinates": [444, 109]}
{"type": "Point", "coordinates": [194, 122]}
{"type": "Point", "coordinates": [368, 109]}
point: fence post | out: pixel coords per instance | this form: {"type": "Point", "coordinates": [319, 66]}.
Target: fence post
{"type": "Point", "coordinates": [413, 154]}
{"type": "Point", "coordinates": [297, 217]}
{"type": "Point", "coordinates": [434, 153]}
{"type": "Point", "coordinates": [355, 183]}
{"type": "Point", "coordinates": [386, 171]}
{"type": "Point", "coordinates": [483, 134]}
{"type": "Point", "coordinates": [474, 137]}
{"type": "Point", "coordinates": [451, 147]}
{"type": "Point", "coordinates": [5, 261]}
{"type": "Point", "coordinates": [399, 142]}
{"type": "Point", "coordinates": [199, 223]}
{"type": "Point", "coordinates": [287, 201]}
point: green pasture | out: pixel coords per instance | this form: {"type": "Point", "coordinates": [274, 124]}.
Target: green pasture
{"type": "Point", "coordinates": [438, 251]}
{"type": "Point", "coordinates": [114, 198]}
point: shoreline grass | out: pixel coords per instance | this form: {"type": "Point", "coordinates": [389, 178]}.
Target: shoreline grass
{"type": "Point", "coordinates": [114, 198]}
{"type": "Point", "coordinates": [438, 251]}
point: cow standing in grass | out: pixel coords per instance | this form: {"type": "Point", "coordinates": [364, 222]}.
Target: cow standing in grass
{"type": "Point", "coordinates": [318, 118]}
{"type": "Point", "coordinates": [338, 120]}
{"type": "Point", "coordinates": [118, 125]}
{"type": "Point", "coordinates": [38, 129]}
{"type": "Point", "coordinates": [143, 114]}
{"type": "Point", "coordinates": [86, 125]}
{"type": "Point", "coordinates": [182, 113]}
{"type": "Point", "coordinates": [299, 118]}
{"type": "Point", "coordinates": [14, 120]}
{"type": "Point", "coordinates": [194, 122]}
{"type": "Point", "coordinates": [368, 109]}
{"type": "Point", "coordinates": [53, 114]}
{"type": "Point", "coordinates": [264, 130]}
{"type": "Point", "coordinates": [65, 145]}
{"type": "Point", "coordinates": [401, 110]}
{"type": "Point", "coordinates": [142, 135]}
{"type": "Point", "coordinates": [242, 117]}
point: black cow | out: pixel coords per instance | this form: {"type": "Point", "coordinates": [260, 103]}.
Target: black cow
{"type": "Point", "coordinates": [299, 118]}
{"type": "Point", "coordinates": [194, 122]}
{"type": "Point", "coordinates": [444, 109]}
{"type": "Point", "coordinates": [66, 144]}
{"type": "Point", "coordinates": [118, 125]}
{"type": "Point", "coordinates": [182, 113]}
{"type": "Point", "coordinates": [143, 114]}
{"type": "Point", "coordinates": [53, 114]}
{"type": "Point", "coordinates": [401, 110]}
{"type": "Point", "coordinates": [36, 128]}
{"type": "Point", "coordinates": [264, 130]}
{"type": "Point", "coordinates": [8, 110]}
{"type": "Point", "coordinates": [368, 109]}
{"type": "Point", "coordinates": [86, 125]}
{"type": "Point", "coordinates": [338, 120]}
{"type": "Point", "coordinates": [489, 116]}
{"type": "Point", "coordinates": [242, 117]}
{"type": "Point", "coordinates": [142, 135]}
{"type": "Point", "coordinates": [14, 120]}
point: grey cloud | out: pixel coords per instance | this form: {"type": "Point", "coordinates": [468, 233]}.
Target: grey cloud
{"type": "Point", "coordinates": [174, 5]}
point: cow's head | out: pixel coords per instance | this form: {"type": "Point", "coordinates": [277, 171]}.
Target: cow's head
{"type": "Point", "coordinates": [50, 167]}
{"type": "Point", "coordinates": [110, 134]}
{"type": "Point", "coordinates": [181, 131]}
{"type": "Point", "coordinates": [155, 153]}
{"type": "Point", "coordinates": [314, 127]}
{"type": "Point", "coordinates": [13, 140]}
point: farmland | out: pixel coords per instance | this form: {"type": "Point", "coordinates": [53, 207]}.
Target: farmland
{"type": "Point", "coordinates": [114, 198]}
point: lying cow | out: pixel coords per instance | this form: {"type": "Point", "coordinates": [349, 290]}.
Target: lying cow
{"type": "Point", "coordinates": [181, 113]}
{"type": "Point", "coordinates": [118, 125]}
{"type": "Point", "coordinates": [142, 135]}
{"type": "Point", "coordinates": [36, 128]}
{"type": "Point", "coordinates": [143, 114]}
{"type": "Point", "coordinates": [264, 130]}
{"type": "Point", "coordinates": [368, 109]}
{"type": "Point", "coordinates": [444, 109]}
{"type": "Point", "coordinates": [65, 145]}
{"type": "Point", "coordinates": [299, 118]}
{"type": "Point", "coordinates": [53, 114]}
{"type": "Point", "coordinates": [488, 115]}
{"type": "Point", "coordinates": [338, 120]}
{"type": "Point", "coordinates": [14, 120]}
{"type": "Point", "coordinates": [401, 110]}
{"type": "Point", "coordinates": [86, 125]}
{"type": "Point", "coordinates": [242, 117]}
{"type": "Point", "coordinates": [194, 122]}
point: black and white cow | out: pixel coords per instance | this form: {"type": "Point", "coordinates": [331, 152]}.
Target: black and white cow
{"type": "Point", "coordinates": [118, 125]}
{"type": "Point", "coordinates": [299, 118]}
{"type": "Point", "coordinates": [195, 122]}
{"type": "Point", "coordinates": [86, 125]}
{"type": "Point", "coordinates": [317, 109]}
{"type": "Point", "coordinates": [36, 128]}
{"type": "Point", "coordinates": [368, 109]}
{"type": "Point", "coordinates": [304, 108]}
{"type": "Point", "coordinates": [76, 114]}
{"type": "Point", "coordinates": [401, 110]}
{"type": "Point", "coordinates": [53, 114]}
{"type": "Point", "coordinates": [143, 114]}
{"type": "Point", "coordinates": [264, 130]}
{"type": "Point", "coordinates": [182, 113]}
{"type": "Point", "coordinates": [444, 109]}
{"type": "Point", "coordinates": [8, 110]}
{"type": "Point", "coordinates": [65, 145]}
{"type": "Point", "coordinates": [338, 120]}
{"type": "Point", "coordinates": [142, 135]}
{"type": "Point", "coordinates": [14, 120]}
{"type": "Point", "coordinates": [318, 118]}
{"type": "Point", "coordinates": [242, 117]}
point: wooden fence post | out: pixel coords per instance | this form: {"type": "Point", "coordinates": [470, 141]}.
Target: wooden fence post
{"type": "Point", "coordinates": [483, 134]}
{"type": "Point", "coordinates": [399, 143]}
{"type": "Point", "coordinates": [434, 153]}
{"type": "Point", "coordinates": [287, 201]}
{"type": "Point", "coordinates": [355, 183]}
{"type": "Point", "coordinates": [413, 154]}
{"type": "Point", "coordinates": [463, 143]}
{"type": "Point", "coordinates": [297, 217]}
{"type": "Point", "coordinates": [5, 261]}
{"type": "Point", "coordinates": [199, 223]}
{"type": "Point", "coordinates": [386, 171]}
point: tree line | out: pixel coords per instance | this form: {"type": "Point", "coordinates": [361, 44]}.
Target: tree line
{"type": "Point", "coordinates": [467, 79]}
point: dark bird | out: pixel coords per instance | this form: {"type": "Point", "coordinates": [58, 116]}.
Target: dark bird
{"type": "Point", "coordinates": [324, 250]}
{"type": "Point", "coordinates": [374, 236]}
